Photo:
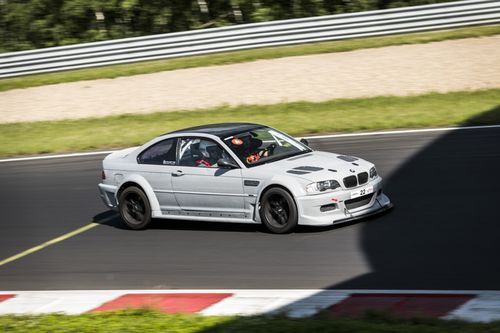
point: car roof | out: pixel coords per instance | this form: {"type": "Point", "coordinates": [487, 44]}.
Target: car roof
{"type": "Point", "coordinates": [222, 130]}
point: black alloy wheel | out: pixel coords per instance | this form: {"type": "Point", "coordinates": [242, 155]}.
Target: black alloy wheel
{"type": "Point", "coordinates": [278, 211]}
{"type": "Point", "coordinates": [134, 208]}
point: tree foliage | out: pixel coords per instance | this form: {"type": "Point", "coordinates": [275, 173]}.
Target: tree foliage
{"type": "Point", "coordinates": [27, 24]}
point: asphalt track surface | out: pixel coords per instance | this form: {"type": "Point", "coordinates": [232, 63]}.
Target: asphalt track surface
{"type": "Point", "coordinates": [443, 233]}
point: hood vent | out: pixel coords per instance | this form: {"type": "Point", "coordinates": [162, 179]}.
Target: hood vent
{"type": "Point", "coordinates": [303, 170]}
{"type": "Point", "coordinates": [347, 158]}
{"type": "Point", "coordinates": [308, 168]}
{"type": "Point", "coordinates": [297, 172]}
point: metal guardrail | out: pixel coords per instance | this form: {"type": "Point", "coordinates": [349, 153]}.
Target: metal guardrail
{"type": "Point", "coordinates": [255, 35]}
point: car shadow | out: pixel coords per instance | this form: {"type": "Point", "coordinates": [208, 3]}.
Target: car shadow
{"type": "Point", "coordinates": [444, 234]}
{"type": "Point", "coordinates": [112, 219]}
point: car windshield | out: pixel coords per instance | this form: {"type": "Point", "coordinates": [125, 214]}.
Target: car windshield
{"type": "Point", "coordinates": [264, 145]}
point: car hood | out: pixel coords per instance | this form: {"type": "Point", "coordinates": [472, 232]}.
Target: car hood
{"type": "Point", "coordinates": [318, 166]}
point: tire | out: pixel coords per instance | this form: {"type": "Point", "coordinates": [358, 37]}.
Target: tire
{"type": "Point", "coordinates": [134, 208]}
{"type": "Point", "coordinates": [278, 211]}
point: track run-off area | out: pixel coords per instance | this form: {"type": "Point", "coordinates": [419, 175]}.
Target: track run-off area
{"type": "Point", "coordinates": [402, 70]}
{"type": "Point", "coordinates": [442, 233]}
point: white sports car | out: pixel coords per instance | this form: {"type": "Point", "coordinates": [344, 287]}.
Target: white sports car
{"type": "Point", "coordinates": [239, 172]}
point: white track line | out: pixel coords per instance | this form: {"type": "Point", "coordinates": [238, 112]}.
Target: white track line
{"type": "Point", "coordinates": [423, 130]}
{"type": "Point", "coordinates": [47, 157]}
{"type": "Point", "coordinates": [260, 292]}
{"type": "Point", "coordinates": [315, 137]}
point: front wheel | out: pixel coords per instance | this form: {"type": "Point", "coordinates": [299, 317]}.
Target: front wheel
{"type": "Point", "coordinates": [278, 211]}
{"type": "Point", "coordinates": [134, 208]}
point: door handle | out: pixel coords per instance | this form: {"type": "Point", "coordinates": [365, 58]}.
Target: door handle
{"type": "Point", "coordinates": [177, 173]}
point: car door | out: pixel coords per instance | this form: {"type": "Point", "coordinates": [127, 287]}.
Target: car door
{"type": "Point", "coordinates": [200, 186]}
{"type": "Point", "coordinates": [156, 164]}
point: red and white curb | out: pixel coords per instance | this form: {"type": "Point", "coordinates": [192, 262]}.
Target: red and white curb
{"type": "Point", "coordinates": [479, 306]}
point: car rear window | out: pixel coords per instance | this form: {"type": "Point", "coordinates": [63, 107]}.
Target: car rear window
{"type": "Point", "coordinates": [161, 153]}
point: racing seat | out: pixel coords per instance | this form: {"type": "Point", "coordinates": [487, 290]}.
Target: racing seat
{"type": "Point", "coordinates": [194, 154]}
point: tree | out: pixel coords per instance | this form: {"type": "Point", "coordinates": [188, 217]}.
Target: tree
{"type": "Point", "coordinates": [27, 24]}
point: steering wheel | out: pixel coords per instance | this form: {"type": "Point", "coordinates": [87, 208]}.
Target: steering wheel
{"type": "Point", "coordinates": [270, 149]}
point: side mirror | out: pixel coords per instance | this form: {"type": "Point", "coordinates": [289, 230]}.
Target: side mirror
{"type": "Point", "coordinates": [226, 164]}
{"type": "Point", "coordinates": [304, 141]}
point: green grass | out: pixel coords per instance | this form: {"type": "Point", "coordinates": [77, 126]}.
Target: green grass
{"type": "Point", "coordinates": [242, 56]}
{"type": "Point", "coordinates": [342, 115]}
{"type": "Point", "coordinates": [140, 321]}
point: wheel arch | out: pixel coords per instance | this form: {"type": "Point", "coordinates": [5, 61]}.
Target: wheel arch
{"type": "Point", "coordinates": [269, 186]}
{"type": "Point", "coordinates": [288, 186]}
{"type": "Point", "coordinates": [142, 183]}
{"type": "Point", "coordinates": [126, 185]}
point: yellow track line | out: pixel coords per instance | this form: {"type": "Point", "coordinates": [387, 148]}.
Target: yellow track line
{"type": "Point", "coordinates": [50, 242]}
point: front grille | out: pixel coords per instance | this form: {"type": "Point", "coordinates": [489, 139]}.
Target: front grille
{"type": "Point", "coordinates": [362, 177]}
{"type": "Point", "coordinates": [350, 181]}
{"type": "Point", "coordinates": [359, 201]}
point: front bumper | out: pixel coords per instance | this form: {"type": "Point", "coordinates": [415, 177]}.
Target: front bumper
{"type": "Point", "coordinates": [310, 213]}
{"type": "Point", "coordinates": [108, 195]}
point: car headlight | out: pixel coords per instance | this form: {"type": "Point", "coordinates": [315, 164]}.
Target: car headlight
{"type": "Point", "coordinates": [373, 172]}
{"type": "Point", "coordinates": [322, 186]}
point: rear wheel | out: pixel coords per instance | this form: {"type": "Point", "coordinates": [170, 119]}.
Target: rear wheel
{"type": "Point", "coordinates": [134, 208]}
{"type": "Point", "coordinates": [278, 211]}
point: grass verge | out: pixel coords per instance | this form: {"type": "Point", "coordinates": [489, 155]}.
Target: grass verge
{"type": "Point", "coordinates": [242, 56]}
{"type": "Point", "coordinates": [149, 321]}
{"type": "Point", "coordinates": [342, 115]}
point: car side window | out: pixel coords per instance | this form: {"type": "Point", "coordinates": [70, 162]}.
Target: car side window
{"type": "Point", "coordinates": [161, 153]}
{"type": "Point", "coordinates": [200, 152]}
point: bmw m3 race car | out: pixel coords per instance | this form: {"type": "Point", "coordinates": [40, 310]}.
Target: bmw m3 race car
{"type": "Point", "coordinates": [239, 172]}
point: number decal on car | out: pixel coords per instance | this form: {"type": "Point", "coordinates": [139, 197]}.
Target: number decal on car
{"type": "Point", "coordinates": [361, 192]}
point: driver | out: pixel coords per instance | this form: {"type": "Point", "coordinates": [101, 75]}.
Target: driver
{"type": "Point", "coordinates": [250, 147]}
{"type": "Point", "coordinates": [209, 153]}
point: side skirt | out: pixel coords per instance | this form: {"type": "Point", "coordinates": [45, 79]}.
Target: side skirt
{"type": "Point", "coordinates": [206, 216]}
